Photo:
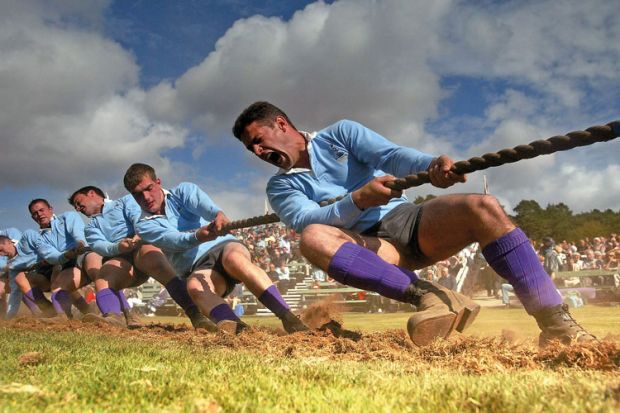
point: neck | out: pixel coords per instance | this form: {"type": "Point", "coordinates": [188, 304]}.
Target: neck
{"type": "Point", "coordinates": [304, 157]}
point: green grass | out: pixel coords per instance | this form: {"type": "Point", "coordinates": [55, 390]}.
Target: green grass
{"type": "Point", "coordinates": [97, 372]}
{"type": "Point", "coordinates": [490, 322]}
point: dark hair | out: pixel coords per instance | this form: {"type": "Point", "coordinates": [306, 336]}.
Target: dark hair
{"type": "Point", "coordinates": [4, 238]}
{"type": "Point", "coordinates": [83, 191]}
{"type": "Point", "coordinates": [135, 173]}
{"type": "Point", "coordinates": [262, 112]}
{"type": "Point", "coordinates": [37, 200]}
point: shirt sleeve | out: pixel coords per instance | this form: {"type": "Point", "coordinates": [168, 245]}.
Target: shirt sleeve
{"type": "Point", "coordinates": [296, 210]}
{"type": "Point", "coordinates": [158, 231]}
{"type": "Point", "coordinates": [75, 226]}
{"type": "Point", "coordinates": [97, 240]}
{"type": "Point", "coordinates": [49, 253]}
{"type": "Point", "coordinates": [197, 201]}
{"type": "Point", "coordinates": [373, 149]}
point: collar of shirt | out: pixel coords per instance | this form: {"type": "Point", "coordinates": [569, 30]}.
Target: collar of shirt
{"type": "Point", "coordinates": [107, 204]}
{"type": "Point", "coordinates": [42, 230]}
{"type": "Point", "coordinates": [308, 137]}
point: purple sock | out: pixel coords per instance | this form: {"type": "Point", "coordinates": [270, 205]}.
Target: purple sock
{"type": "Point", "coordinates": [81, 305]}
{"type": "Point", "coordinates": [123, 300]}
{"type": "Point", "coordinates": [39, 297]}
{"type": "Point", "coordinates": [30, 301]}
{"type": "Point", "coordinates": [272, 299]}
{"type": "Point", "coordinates": [361, 268]}
{"type": "Point", "coordinates": [62, 302]}
{"type": "Point", "coordinates": [108, 302]}
{"type": "Point", "coordinates": [177, 288]}
{"type": "Point", "coordinates": [223, 312]}
{"type": "Point", "coordinates": [513, 257]}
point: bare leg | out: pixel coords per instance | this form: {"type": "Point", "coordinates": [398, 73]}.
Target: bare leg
{"type": "Point", "coordinates": [150, 260]}
{"type": "Point", "coordinates": [320, 242]}
{"type": "Point", "coordinates": [449, 223]}
{"type": "Point", "coordinates": [206, 287]}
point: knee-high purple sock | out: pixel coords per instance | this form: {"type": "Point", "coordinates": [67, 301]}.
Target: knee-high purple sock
{"type": "Point", "coordinates": [177, 288]}
{"type": "Point", "coordinates": [31, 303]}
{"type": "Point", "coordinates": [122, 300]}
{"type": "Point", "coordinates": [62, 302]}
{"type": "Point", "coordinates": [81, 304]}
{"type": "Point", "coordinates": [108, 302]}
{"type": "Point", "coordinates": [223, 312]}
{"type": "Point", "coordinates": [361, 268]}
{"type": "Point", "coordinates": [272, 299]}
{"type": "Point", "coordinates": [512, 257]}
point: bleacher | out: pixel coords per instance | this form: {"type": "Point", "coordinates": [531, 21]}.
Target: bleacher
{"type": "Point", "coordinates": [594, 285]}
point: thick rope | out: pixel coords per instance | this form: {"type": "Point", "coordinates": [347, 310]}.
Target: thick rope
{"type": "Point", "coordinates": [601, 133]}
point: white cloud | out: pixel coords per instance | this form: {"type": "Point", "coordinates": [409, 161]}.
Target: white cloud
{"type": "Point", "coordinates": [70, 111]}
{"type": "Point", "coordinates": [71, 98]}
{"type": "Point", "coordinates": [362, 60]}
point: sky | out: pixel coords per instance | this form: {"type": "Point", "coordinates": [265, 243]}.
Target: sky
{"type": "Point", "coordinates": [89, 87]}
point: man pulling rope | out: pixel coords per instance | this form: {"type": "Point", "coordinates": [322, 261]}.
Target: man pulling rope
{"type": "Point", "coordinates": [372, 237]}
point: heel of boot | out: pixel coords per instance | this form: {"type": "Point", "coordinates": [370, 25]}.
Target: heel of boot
{"type": "Point", "coordinates": [469, 314]}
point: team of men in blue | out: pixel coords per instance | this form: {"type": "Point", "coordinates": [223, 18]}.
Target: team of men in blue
{"type": "Point", "coordinates": [372, 238]}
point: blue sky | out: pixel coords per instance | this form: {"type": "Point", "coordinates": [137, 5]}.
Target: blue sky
{"type": "Point", "coordinates": [90, 87]}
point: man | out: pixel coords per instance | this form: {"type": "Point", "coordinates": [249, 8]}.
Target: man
{"type": "Point", "coordinates": [7, 285]}
{"type": "Point", "coordinates": [183, 223]}
{"type": "Point", "coordinates": [370, 237]}
{"type": "Point", "coordinates": [28, 275]}
{"type": "Point", "coordinates": [127, 262]}
{"type": "Point", "coordinates": [63, 243]}
{"type": "Point", "coordinates": [551, 262]}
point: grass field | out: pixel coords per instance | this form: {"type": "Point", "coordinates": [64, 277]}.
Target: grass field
{"type": "Point", "coordinates": [83, 367]}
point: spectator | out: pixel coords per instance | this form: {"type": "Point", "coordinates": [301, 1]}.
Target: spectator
{"type": "Point", "coordinates": [551, 263]}
{"type": "Point", "coordinates": [447, 278]}
{"type": "Point", "coordinates": [575, 263]}
{"type": "Point", "coordinates": [283, 272]}
{"type": "Point", "coordinates": [272, 272]}
{"type": "Point", "coordinates": [611, 261]}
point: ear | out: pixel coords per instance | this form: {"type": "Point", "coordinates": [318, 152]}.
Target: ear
{"type": "Point", "coordinates": [281, 123]}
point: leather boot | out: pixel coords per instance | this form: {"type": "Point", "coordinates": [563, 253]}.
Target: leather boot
{"type": "Point", "coordinates": [132, 319]}
{"type": "Point", "coordinates": [199, 320]}
{"type": "Point", "coordinates": [231, 327]}
{"type": "Point", "coordinates": [557, 324]}
{"type": "Point", "coordinates": [292, 323]}
{"type": "Point", "coordinates": [440, 312]}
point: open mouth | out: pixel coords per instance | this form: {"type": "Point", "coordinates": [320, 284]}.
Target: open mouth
{"type": "Point", "coordinates": [274, 158]}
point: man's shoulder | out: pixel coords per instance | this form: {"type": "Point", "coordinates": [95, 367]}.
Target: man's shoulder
{"type": "Point", "coordinates": [338, 129]}
{"type": "Point", "coordinates": [69, 216]}
{"type": "Point", "coordinates": [30, 234]}
{"type": "Point", "coordinates": [184, 188]}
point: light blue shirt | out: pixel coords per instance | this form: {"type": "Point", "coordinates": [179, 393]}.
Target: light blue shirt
{"type": "Point", "coordinates": [187, 209]}
{"type": "Point", "coordinates": [26, 256]}
{"type": "Point", "coordinates": [66, 231]}
{"type": "Point", "coordinates": [343, 158]}
{"type": "Point", "coordinates": [14, 234]}
{"type": "Point", "coordinates": [116, 222]}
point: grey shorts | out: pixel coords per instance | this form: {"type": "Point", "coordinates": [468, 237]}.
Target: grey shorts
{"type": "Point", "coordinates": [139, 277]}
{"type": "Point", "coordinates": [45, 270]}
{"type": "Point", "coordinates": [212, 260]}
{"type": "Point", "coordinates": [400, 227]}
{"type": "Point", "coordinates": [78, 263]}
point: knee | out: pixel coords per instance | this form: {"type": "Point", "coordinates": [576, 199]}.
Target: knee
{"type": "Point", "coordinates": [485, 207]}
{"type": "Point", "coordinates": [237, 258]}
{"type": "Point", "coordinates": [313, 237]}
